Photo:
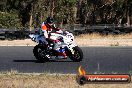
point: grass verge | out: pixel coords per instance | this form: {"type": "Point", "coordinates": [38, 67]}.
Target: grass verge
{"type": "Point", "coordinates": [46, 80]}
{"type": "Point", "coordinates": [96, 39]}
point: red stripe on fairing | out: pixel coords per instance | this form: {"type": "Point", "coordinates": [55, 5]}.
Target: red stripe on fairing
{"type": "Point", "coordinates": [62, 54]}
{"type": "Point", "coordinates": [55, 40]}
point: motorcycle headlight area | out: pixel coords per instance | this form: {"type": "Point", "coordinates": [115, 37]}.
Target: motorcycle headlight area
{"type": "Point", "coordinates": [70, 37]}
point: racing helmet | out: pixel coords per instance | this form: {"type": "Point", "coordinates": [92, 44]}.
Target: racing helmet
{"type": "Point", "coordinates": [49, 20]}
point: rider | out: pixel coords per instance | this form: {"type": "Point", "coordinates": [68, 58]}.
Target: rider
{"type": "Point", "coordinates": [48, 26]}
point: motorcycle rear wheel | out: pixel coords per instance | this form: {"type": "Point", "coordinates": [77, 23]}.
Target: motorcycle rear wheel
{"type": "Point", "coordinates": [39, 52]}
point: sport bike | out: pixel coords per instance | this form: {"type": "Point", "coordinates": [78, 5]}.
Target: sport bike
{"type": "Point", "coordinates": [45, 53]}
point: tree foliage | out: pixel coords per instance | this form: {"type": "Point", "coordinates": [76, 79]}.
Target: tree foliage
{"type": "Point", "coordinates": [27, 13]}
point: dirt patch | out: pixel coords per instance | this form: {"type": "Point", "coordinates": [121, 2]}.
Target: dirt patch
{"type": "Point", "coordinates": [82, 40]}
{"type": "Point", "coordinates": [25, 42]}
{"type": "Point", "coordinates": [104, 40]}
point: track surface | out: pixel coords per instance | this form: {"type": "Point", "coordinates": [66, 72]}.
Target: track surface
{"type": "Point", "coordinates": [96, 59]}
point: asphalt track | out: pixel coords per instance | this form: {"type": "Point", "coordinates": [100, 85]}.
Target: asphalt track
{"type": "Point", "coordinates": [96, 59]}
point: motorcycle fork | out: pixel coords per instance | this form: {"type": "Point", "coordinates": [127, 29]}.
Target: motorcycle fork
{"type": "Point", "coordinates": [71, 49]}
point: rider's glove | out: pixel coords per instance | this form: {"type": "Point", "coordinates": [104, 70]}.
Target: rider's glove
{"type": "Point", "coordinates": [65, 32]}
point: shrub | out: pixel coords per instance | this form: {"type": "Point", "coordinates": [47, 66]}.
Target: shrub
{"type": "Point", "coordinates": [9, 20]}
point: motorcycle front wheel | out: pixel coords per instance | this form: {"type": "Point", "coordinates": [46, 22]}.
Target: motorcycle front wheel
{"type": "Point", "coordinates": [39, 52]}
{"type": "Point", "coordinates": [77, 56]}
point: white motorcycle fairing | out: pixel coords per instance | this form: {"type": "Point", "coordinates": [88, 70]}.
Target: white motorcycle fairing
{"type": "Point", "coordinates": [37, 38]}
{"type": "Point", "coordinates": [68, 39]}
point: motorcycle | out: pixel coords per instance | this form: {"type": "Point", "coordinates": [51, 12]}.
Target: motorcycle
{"type": "Point", "coordinates": [42, 51]}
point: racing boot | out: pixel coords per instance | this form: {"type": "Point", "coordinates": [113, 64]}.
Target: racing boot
{"type": "Point", "coordinates": [62, 54]}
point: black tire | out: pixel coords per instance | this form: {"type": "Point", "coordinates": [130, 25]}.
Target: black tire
{"type": "Point", "coordinates": [78, 54]}
{"type": "Point", "coordinates": [39, 55]}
